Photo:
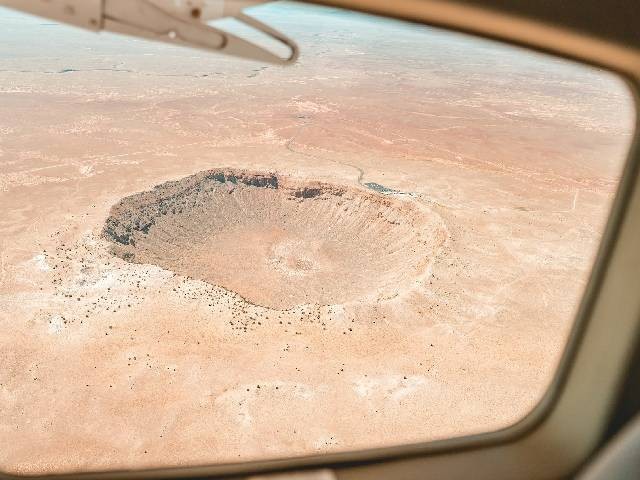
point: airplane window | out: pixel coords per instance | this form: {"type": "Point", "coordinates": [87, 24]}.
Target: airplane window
{"type": "Point", "coordinates": [209, 260]}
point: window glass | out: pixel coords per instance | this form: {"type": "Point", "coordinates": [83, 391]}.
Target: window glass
{"type": "Point", "coordinates": [210, 260]}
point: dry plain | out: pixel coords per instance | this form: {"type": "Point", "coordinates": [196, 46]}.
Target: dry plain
{"type": "Point", "coordinates": [385, 243]}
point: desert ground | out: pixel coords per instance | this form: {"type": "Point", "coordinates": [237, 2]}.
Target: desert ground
{"type": "Point", "coordinates": [207, 260]}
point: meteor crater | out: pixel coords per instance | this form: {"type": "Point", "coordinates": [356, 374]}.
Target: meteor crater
{"type": "Point", "coordinates": [278, 241]}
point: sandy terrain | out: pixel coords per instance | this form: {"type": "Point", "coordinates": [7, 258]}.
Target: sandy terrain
{"type": "Point", "coordinates": [413, 277]}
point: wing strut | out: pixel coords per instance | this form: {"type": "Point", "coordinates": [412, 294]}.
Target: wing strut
{"type": "Point", "coordinates": [180, 22]}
